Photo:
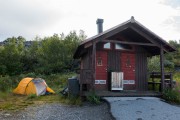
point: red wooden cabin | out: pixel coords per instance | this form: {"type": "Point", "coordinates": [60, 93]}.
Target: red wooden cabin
{"type": "Point", "coordinates": [116, 59]}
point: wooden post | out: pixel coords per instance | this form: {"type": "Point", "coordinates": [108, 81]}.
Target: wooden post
{"type": "Point", "coordinates": [153, 82]}
{"type": "Point", "coordinates": [80, 82]}
{"type": "Point", "coordinates": [171, 80]}
{"type": "Point", "coordinates": [162, 67]}
{"type": "Point", "coordinates": [93, 65]}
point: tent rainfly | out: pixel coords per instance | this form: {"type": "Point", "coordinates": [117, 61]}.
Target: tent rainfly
{"type": "Point", "coordinates": [36, 86]}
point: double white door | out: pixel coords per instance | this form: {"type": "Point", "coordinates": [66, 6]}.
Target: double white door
{"type": "Point", "coordinates": [116, 80]}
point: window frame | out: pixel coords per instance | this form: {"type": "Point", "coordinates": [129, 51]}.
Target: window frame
{"type": "Point", "coordinates": [123, 48]}
{"type": "Point", "coordinates": [107, 48]}
{"type": "Point", "coordinates": [99, 63]}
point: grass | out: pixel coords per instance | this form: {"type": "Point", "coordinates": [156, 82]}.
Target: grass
{"type": "Point", "coordinates": [10, 101]}
{"type": "Point", "coordinates": [19, 102]}
{"type": "Point", "coordinates": [71, 100]}
{"type": "Point", "coordinates": [13, 102]}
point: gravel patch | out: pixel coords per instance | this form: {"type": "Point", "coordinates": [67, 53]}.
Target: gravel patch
{"type": "Point", "coordinates": [56, 111]}
{"type": "Point", "coordinates": [142, 108]}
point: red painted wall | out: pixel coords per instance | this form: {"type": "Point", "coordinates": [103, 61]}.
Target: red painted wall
{"type": "Point", "coordinates": [101, 71]}
{"type": "Point", "coordinates": [128, 68]}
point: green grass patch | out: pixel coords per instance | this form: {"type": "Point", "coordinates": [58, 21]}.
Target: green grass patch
{"type": "Point", "coordinates": [13, 102]}
{"type": "Point", "coordinates": [19, 102]}
{"type": "Point", "coordinates": [31, 96]}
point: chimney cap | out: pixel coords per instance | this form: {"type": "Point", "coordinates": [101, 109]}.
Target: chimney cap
{"type": "Point", "coordinates": [132, 19]}
{"type": "Point", "coordinates": [99, 20]}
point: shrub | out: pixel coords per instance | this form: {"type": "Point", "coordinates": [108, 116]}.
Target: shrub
{"type": "Point", "coordinates": [5, 83]}
{"type": "Point", "coordinates": [176, 76]}
{"type": "Point", "coordinates": [93, 98]}
{"type": "Point", "coordinates": [172, 95]}
{"type": "Point", "coordinates": [31, 74]}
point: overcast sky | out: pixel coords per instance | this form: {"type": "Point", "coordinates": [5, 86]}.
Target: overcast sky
{"type": "Point", "coordinates": [30, 18]}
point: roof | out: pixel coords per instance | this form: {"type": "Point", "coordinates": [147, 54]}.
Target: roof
{"type": "Point", "coordinates": [132, 30]}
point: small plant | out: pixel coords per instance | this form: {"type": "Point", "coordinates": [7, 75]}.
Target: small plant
{"type": "Point", "coordinates": [93, 98]}
{"type": "Point", "coordinates": [32, 96]}
{"type": "Point", "coordinates": [172, 95]}
{"type": "Point", "coordinates": [70, 100]}
{"type": "Point", "coordinates": [74, 100]}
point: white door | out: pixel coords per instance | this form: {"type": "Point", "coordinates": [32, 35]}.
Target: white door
{"type": "Point", "coordinates": [116, 80]}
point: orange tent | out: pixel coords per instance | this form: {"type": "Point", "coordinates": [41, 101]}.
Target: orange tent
{"type": "Point", "coordinates": [36, 86]}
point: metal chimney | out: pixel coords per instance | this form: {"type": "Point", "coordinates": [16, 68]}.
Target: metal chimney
{"type": "Point", "coordinates": [99, 23]}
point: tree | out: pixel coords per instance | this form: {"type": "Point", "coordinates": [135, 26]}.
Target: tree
{"type": "Point", "coordinates": [56, 52]}
{"type": "Point", "coordinates": [175, 56]}
{"type": "Point", "coordinates": [171, 59]}
{"type": "Point", "coordinates": [46, 55]}
{"type": "Point", "coordinates": [11, 56]}
{"type": "Point", "coordinates": [30, 57]}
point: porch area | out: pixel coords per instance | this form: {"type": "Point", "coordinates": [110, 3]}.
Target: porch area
{"type": "Point", "coordinates": [154, 86]}
{"type": "Point", "coordinates": [125, 93]}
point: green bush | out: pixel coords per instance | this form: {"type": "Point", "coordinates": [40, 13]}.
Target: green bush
{"type": "Point", "coordinates": [93, 98]}
{"type": "Point", "coordinates": [172, 95]}
{"type": "Point", "coordinates": [176, 76]}
{"type": "Point", "coordinates": [5, 83]}
{"type": "Point", "coordinates": [31, 74]}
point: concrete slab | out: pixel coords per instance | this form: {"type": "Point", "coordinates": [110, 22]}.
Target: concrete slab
{"type": "Point", "coordinates": [142, 108]}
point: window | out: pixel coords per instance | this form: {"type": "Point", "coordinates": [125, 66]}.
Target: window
{"type": "Point", "coordinates": [107, 46]}
{"type": "Point", "coordinates": [99, 61]}
{"type": "Point", "coordinates": [128, 62]}
{"type": "Point", "coordinates": [119, 46]}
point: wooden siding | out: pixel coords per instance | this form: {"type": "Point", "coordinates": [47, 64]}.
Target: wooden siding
{"type": "Point", "coordinates": [141, 69]}
{"type": "Point", "coordinates": [86, 68]}
{"type": "Point", "coordinates": [86, 60]}
{"type": "Point", "coordinates": [128, 70]}
{"type": "Point", "coordinates": [101, 71]}
{"type": "Point", "coordinates": [85, 76]}
{"type": "Point", "coordinates": [114, 61]}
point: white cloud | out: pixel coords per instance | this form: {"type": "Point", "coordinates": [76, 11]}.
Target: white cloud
{"type": "Point", "coordinates": [46, 17]}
